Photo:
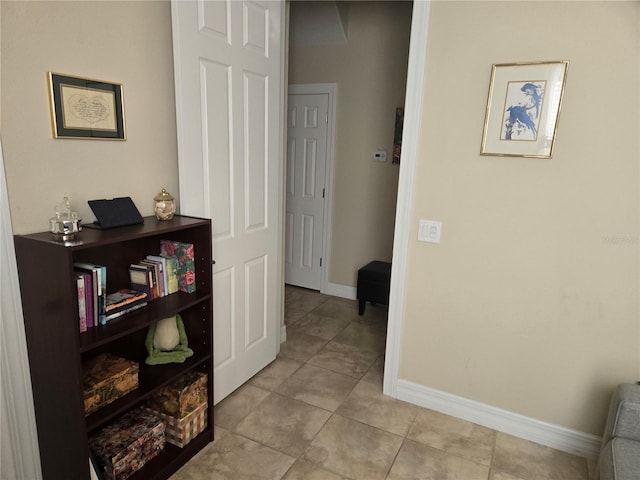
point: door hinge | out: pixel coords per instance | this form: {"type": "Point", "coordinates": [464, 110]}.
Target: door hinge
{"type": "Point", "coordinates": [320, 261]}
{"type": "Point", "coordinates": [326, 118]}
{"type": "Point", "coordinates": [323, 193]}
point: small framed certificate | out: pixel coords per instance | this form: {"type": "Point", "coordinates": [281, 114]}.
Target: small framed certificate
{"type": "Point", "coordinates": [84, 108]}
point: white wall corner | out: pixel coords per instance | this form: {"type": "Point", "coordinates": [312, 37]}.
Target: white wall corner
{"type": "Point", "coordinates": [543, 433]}
{"type": "Point", "coordinates": [410, 141]}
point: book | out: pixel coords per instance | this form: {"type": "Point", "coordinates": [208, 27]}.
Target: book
{"type": "Point", "coordinates": [82, 307]}
{"type": "Point", "coordinates": [99, 287]}
{"type": "Point", "coordinates": [163, 269]}
{"type": "Point", "coordinates": [88, 295]}
{"type": "Point", "coordinates": [123, 297]}
{"type": "Point", "coordinates": [157, 277]}
{"type": "Point", "coordinates": [128, 309]}
{"type": "Point", "coordinates": [172, 274]}
{"type": "Point", "coordinates": [184, 254]}
{"type": "Point", "coordinates": [88, 298]}
{"type": "Point", "coordinates": [140, 279]}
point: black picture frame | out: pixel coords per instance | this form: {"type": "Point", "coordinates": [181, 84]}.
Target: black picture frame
{"type": "Point", "coordinates": [85, 108]}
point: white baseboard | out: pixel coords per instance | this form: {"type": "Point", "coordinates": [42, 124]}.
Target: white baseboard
{"type": "Point", "coordinates": [343, 291]}
{"type": "Point", "coordinates": [554, 436]}
{"type": "Point", "coordinates": [283, 333]}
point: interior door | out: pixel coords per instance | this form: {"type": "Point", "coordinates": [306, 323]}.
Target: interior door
{"type": "Point", "coordinates": [228, 58]}
{"type": "Point", "coordinates": [307, 127]}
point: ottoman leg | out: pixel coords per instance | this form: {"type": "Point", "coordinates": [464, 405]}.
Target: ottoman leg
{"type": "Point", "coordinates": [361, 305]}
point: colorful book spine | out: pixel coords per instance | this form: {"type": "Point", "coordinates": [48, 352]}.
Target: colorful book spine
{"type": "Point", "coordinates": [172, 274]}
{"type": "Point", "coordinates": [88, 295]}
{"type": "Point", "coordinates": [184, 254]}
{"type": "Point", "coordinates": [156, 275]}
{"type": "Point", "coordinates": [99, 288]}
{"type": "Point", "coordinates": [89, 299]}
{"type": "Point", "coordinates": [124, 311]}
{"type": "Point", "coordinates": [162, 264]}
{"type": "Point", "coordinates": [82, 308]}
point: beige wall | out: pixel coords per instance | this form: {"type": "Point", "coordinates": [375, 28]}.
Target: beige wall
{"type": "Point", "coordinates": [124, 42]}
{"type": "Point", "coordinates": [531, 302]}
{"type": "Point", "coordinates": [370, 70]}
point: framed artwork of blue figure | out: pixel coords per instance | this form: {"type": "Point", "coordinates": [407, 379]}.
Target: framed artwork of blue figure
{"type": "Point", "coordinates": [523, 109]}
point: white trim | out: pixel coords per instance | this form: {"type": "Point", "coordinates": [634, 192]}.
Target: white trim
{"type": "Point", "coordinates": [284, 74]}
{"type": "Point", "coordinates": [543, 433]}
{"type": "Point", "coordinates": [20, 456]}
{"type": "Point", "coordinates": [410, 140]}
{"type": "Point", "coordinates": [343, 291]}
{"type": "Point", "coordinates": [331, 90]}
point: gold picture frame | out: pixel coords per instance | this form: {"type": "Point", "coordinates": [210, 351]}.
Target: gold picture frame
{"type": "Point", "coordinates": [523, 109]}
{"type": "Point", "coordinates": [85, 108]}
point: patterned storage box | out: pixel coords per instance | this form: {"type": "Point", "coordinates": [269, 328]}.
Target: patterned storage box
{"type": "Point", "coordinates": [181, 397]}
{"type": "Point", "coordinates": [107, 378]}
{"type": "Point", "coordinates": [182, 406]}
{"type": "Point", "coordinates": [180, 431]}
{"type": "Point", "coordinates": [123, 447]}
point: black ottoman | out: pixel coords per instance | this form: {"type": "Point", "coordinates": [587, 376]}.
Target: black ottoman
{"type": "Point", "coordinates": [374, 280]}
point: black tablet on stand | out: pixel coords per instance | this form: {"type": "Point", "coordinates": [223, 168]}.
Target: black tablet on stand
{"type": "Point", "coordinates": [115, 212]}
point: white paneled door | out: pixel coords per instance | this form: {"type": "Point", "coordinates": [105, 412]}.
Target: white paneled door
{"type": "Point", "coordinates": [307, 126]}
{"type": "Point", "coordinates": [228, 61]}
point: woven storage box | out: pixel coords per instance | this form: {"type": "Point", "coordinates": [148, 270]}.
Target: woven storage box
{"type": "Point", "coordinates": [181, 397]}
{"type": "Point", "coordinates": [107, 378]}
{"type": "Point", "coordinates": [182, 406]}
{"type": "Point", "coordinates": [180, 431]}
{"type": "Point", "coordinates": [123, 447]}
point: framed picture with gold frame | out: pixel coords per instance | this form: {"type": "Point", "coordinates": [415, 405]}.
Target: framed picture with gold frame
{"type": "Point", "coordinates": [523, 109]}
{"type": "Point", "coordinates": [84, 108]}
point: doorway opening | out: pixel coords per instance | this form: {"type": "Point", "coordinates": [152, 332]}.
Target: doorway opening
{"type": "Point", "coordinates": [366, 54]}
{"type": "Point", "coordinates": [362, 48]}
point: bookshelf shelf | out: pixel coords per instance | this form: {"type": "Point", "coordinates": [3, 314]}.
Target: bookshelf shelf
{"type": "Point", "coordinates": [57, 349]}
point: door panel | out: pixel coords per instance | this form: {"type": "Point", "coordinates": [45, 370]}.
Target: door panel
{"type": "Point", "coordinates": [306, 172]}
{"type": "Point", "coordinates": [228, 69]}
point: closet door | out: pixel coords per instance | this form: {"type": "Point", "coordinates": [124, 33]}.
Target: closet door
{"type": "Point", "coordinates": [228, 61]}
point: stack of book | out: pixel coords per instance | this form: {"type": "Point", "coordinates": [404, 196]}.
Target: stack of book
{"type": "Point", "coordinates": [154, 275]}
{"type": "Point", "coordinates": [91, 281]}
{"type": "Point", "coordinates": [122, 302]}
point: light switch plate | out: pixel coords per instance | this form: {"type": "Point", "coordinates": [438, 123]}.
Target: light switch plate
{"type": "Point", "coordinates": [429, 231]}
{"type": "Point", "coordinates": [380, 156]}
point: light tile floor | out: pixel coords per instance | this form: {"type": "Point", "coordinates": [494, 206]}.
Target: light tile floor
{"type": "Point", "coordinates": [318, 413]}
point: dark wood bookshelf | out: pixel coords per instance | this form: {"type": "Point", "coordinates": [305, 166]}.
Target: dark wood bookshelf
{"type": "Point", "coordinates": [56, 348]}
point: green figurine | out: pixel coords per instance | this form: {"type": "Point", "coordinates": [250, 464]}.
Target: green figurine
{"type": "Point", "coordinates": [167, 342]}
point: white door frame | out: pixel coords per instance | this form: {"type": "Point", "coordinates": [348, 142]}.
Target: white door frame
{"type": "Point", "coordinates": [19, 452]}
{"type": "Point", "coordinates": [410, 141]}
{"type": "Point", "coordinates": [330, 89]}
